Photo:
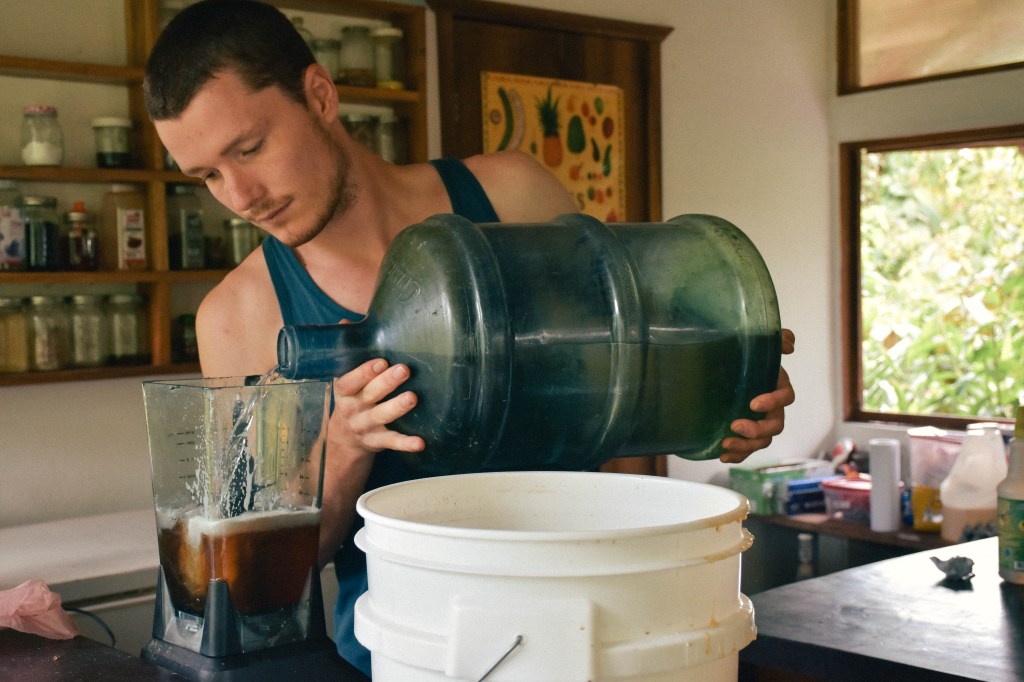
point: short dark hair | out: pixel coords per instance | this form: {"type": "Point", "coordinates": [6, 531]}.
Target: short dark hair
{"type": "Point", "coordinates": [252, 38]}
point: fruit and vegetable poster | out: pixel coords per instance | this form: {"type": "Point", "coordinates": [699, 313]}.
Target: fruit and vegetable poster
{"type": "Point", "coordinates": [573, 128]}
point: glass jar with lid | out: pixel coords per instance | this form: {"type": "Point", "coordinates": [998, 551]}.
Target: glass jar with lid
{"type": "Point", "coordinates": [355, 60]}
{"type": "Point", "coordinates": [185, 228]}
{"type": "Point", "coordinates": [242, 238]}
{"type": "Point", "coordinates": [42, 233]}
{"type": "Point", "coordinates": [128, 333]}
{"type": "Point", "coordinates": [42, 140]}
{"type": "Point", "coordinates": [89, 331]}
{"type": "Point", "coordinates": [388, 57]}
{"type": "Point", "coordinates": [48, 333]}
{"type": "Point", "coordinates": [327, 52]}
{"type": "Point", "coordinates": [13, 335]}
{"type": "Point", "coordinates": [112, 136]}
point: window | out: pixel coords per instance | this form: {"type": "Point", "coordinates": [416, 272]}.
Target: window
{"type": "Point", "coordinates": [888, 42]}
{"type": "Point", "coordinates": [933, 277]}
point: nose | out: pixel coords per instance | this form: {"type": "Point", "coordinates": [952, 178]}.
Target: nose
{"type": "Point", "coordinates": [241, 190]}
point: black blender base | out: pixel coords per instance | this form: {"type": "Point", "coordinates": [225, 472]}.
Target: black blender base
{"type": "Point", "coordinates": [318, 660]}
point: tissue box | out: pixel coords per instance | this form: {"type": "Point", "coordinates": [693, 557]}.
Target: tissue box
{"type": "Point", "coordinates": [757, 481]}
{"type": "Point", "coordinates": [801, 496]}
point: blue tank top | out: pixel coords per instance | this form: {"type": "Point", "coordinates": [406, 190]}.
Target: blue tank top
{"type": "Point", "coordinates": [303, 302]}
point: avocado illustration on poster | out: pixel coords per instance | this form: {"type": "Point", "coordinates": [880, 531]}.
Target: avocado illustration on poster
{"type": "Point", "coordinates": [575, 129]}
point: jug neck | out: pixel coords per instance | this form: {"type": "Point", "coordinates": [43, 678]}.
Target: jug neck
{"type": "Point", "coordinates": [322, 351]}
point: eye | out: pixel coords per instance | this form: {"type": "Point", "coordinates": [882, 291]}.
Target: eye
{"type": "Point", "coordinates": [253, 149]}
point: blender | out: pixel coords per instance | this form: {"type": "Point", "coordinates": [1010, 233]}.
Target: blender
{"type": "Point", "coordinates": [236, 468]}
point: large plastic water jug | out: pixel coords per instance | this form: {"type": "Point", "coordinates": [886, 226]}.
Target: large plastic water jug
{"type": "Point", "coordinates": [562, 345]}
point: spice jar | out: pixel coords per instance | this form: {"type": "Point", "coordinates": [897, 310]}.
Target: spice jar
{"type": "Point", "coordinates": [388, 58]}
{"type": "Point", "coordinates": [81, 239]}
{"type": "Point", "coordinates": [12, 227]}
{"type": "Point", "coordinates": [48, 333]}
{"type": "Point", "coordinates": [88, 325]}
{"type": "Point", "coordinates": [113, 142]}
{"type": "Point", "coordinates": [355, 60]}
{"type": "Point", "coordinates": [42, 140]}
{"type": "Point", "coordinates": [13, 336]}
{"type": "Point", "coordinates": [363, 128]}
{"type": "Point", "coordinates": [128, 337]}
{"type": "Point", "coordinates": [42, 233]}
{"type": "Point", "coordinates": [326, 51]}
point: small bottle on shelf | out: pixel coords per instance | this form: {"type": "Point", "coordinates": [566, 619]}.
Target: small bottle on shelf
{"type": "Point", "coordinates": [805, 556]}
{"type": "Point", "coordinates": [1010, 512]}
{"type": "Point", "coordinates": [81, 238]}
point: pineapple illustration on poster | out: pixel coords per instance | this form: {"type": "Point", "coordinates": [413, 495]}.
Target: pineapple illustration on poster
{"type": "Point", "coordinates": [575, 129]}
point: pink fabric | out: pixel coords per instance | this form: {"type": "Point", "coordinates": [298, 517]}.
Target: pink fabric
{"type": "Point", "coordinates": [31, 607]}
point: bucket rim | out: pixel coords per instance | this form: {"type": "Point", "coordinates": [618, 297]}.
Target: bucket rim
{"type": "Point", "coordinates": [734, 515]}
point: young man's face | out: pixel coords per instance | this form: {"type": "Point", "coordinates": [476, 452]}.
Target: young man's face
{"type": "Point", "coordinates": [261, 154]}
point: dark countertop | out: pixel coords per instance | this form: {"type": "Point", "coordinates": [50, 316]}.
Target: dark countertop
{"type": "Point", "coordinates": [895, 619]}
{"type": "Point", "coordinates": [30, 658]}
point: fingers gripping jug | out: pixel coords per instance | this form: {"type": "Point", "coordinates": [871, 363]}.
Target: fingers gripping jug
{"type": "Point", "coordinates": [562, 345]}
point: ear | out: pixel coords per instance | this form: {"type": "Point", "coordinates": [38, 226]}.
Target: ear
{"type": "Point", "coordinates": [321, 95]}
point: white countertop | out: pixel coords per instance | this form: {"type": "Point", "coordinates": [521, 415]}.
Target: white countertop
{"type": "Point", "coordinates": [83, 558]}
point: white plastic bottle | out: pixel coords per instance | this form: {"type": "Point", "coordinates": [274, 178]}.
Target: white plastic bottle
{"type": "Point", "coordinates": [969, 491]}
{"type": "Point", "coordinates": [1011, 510]}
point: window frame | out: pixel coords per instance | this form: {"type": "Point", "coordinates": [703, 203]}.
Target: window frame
{"type": "Point", "coordinates": [848, 40]}
{"type": "Point", "coordinates": [850, 275]}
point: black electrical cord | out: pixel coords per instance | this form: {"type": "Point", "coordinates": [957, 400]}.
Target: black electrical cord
{"type": "Point", "coordinates": [99, 621]}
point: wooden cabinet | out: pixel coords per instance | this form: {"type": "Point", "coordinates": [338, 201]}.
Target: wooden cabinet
{"type": "Point", "coordinates": [163, 288]}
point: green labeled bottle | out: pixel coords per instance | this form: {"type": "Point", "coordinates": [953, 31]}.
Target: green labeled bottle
{"type": "Point", "coordinates": [562, 345]}
{"type": "Point", "coordinates": [1010, 509]}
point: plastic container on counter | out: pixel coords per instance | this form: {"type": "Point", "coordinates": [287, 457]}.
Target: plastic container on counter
{"type": "Point", "coordinates": [849, 498]}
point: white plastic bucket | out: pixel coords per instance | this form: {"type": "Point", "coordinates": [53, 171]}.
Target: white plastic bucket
{"type": "Point", "coordinates": [575, 576]}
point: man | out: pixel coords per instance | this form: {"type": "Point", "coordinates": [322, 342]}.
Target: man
{"type": "Point", "coordinates": [238, 100]}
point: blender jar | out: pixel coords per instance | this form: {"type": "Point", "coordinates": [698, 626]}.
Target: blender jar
{"type": "Point", "coordinates": [236, 470]}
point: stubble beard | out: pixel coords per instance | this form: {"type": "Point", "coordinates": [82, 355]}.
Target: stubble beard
{"type": "Point", "coordinates": [342, 193]}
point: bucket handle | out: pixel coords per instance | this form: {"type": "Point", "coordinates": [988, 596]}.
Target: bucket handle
{"type": "Point", "coordinates": [518, 640]}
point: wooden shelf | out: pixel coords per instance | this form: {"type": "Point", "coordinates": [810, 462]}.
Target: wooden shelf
{"type": "Point", "coordinates": [825, 525]}
{"type": "Point", "coordinates": [25, 67]}
{"type": "Point", "coordinates": [72, 174]}
{"type": "Point", "coordinates": [95, 373]}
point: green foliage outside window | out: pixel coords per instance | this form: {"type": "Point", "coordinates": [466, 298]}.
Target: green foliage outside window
{"type": "Point", "coordinates": [942, 281]}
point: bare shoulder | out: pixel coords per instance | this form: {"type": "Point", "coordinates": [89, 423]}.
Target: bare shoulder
{"type": "Point", "coordinates": [237, 322]}
{"type": "Point", "coordinates": [520, 188]}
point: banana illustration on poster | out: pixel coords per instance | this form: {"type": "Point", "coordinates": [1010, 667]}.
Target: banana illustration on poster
{"type": "Point", "coordinates": [575, 129]}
